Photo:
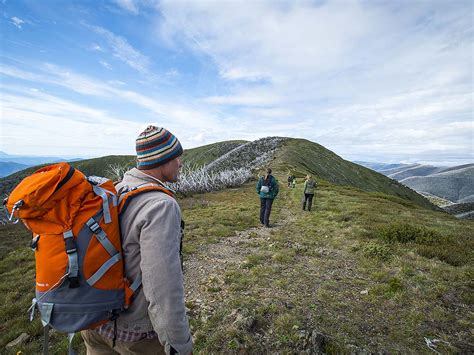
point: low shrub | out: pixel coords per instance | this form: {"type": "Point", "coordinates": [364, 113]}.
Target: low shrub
{"type": "Point", "coordinates": [378, 251]}
{"type": "Point", "coordinates": [427, 242]}
{"type": "Point", "coordinates": [455, 257]}
{"type": "Point", "coordinates": [408, 233]}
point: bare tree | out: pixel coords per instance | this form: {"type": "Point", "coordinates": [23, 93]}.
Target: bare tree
{"type": "Point", "coordinates": [116, 171]}
{"type": "Point", "coordinates": [199, 179]}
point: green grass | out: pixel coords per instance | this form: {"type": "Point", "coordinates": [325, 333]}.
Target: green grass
{"type": "Point", "coordinates": [369, 271]}
{"type": "Point", "coordinates": [301, 157]}
{"type": "Point", "coordinates": [324, 259]}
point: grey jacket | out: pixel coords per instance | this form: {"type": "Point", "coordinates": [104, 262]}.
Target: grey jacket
{"type": "Point", "coordinates": [151, 235]}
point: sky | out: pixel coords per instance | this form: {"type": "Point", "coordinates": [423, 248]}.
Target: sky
{"type": "Point", "coordinates": [371, 80]}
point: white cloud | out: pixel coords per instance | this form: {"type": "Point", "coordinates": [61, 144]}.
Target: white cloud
{"type": "Point", "coordinates": [57, 126]}
{"type": "Point", "coordinates": [273, 39]}
{"type": "Point", "coordinates": [128, 5]}
{"type": "Point", "coordinates": [18, 22]}
{"type": "Point", "coordinates": [260, 98]}
{"type": "Point", "coordinates": [172, 73]}
{"type": "Point", "coordinates": [354, 76]}
{"type": "Point", "coordinates": [105, 64]}
{"type": "Point", "coordinates": [116, 82]}
{"type": "Point", "coordinates": [184, 119]}
{"type": "Point", "coordinates": [96, 47]}
{"type": "Point", "coordinates": [360, 77]}
{"type": "Point", "coordinates": [123, 51]}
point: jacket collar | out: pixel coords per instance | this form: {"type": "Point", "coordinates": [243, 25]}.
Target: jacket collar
{"type": "Point", "coordinates": [138, 174]}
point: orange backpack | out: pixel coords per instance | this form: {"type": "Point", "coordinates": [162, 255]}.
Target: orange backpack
{"type": "Point", "coordinates": [74, 219]}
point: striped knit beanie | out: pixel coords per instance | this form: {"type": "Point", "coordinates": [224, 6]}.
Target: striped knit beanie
{"type": "Point", "coordinates": [156, 146]}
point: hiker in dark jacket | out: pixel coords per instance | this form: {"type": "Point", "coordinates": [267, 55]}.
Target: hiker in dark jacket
{"type": "Point", "coordinates": [309, 187]}
{"type": "Point", "coordinates": [267, 188]}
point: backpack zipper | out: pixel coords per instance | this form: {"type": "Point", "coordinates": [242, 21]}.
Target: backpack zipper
{"type": "Point", "coordinates": [66, 178]}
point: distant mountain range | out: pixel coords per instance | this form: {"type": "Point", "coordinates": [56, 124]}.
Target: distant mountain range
{"type": "Point", "coordinates": [455, 183]}
{"type": "Point", "coordinates": [444, 186]}
{"type": "Point", "coordinates": [10, 164]}
{"type": "Point", "coordinates": [7, 168]}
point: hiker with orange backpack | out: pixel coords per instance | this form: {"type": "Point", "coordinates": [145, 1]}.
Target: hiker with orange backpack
{"type": "Point", "coordinates": [151, 233]}
{"type": "Point", "coordinates": [109, 261]}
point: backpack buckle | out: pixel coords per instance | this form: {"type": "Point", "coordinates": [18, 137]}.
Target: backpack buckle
{"type": "Point", "coordinates": [34, 243]}
{"type": "Point", "coordinates": [73, 282]}
{"type": "Point", "coordinates": [16, 207]}
{"type": "Point", "coordinates": [70, 245]}
{"type": "Point", "coordinates": [94, 227]}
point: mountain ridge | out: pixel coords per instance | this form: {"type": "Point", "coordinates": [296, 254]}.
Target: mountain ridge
{"type": "Point", "coordinates": [452, 183]}
{"type": "Point", "coordinates": [300, 156]}
{"type": "Point", "coordinates": [8, 167]}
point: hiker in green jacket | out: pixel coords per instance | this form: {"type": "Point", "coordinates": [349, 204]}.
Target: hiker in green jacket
{"type": "Point", "coordinates": [309, 187]}
{"type": "Point", "coordinates": [267, 188]}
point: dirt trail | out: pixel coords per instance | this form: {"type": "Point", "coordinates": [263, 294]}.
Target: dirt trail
{"type": "Point", "coordinates": [208, 265]}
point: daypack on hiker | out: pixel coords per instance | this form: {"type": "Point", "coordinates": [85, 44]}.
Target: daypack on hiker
{"type": "Point", "coordinates": [74, 219]}
{"type": "Point", "coordinates": [266, 186]}
{"type": "Point", "coordinates": [310, 186]}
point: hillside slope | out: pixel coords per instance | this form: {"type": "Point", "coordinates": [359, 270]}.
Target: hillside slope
{"type": "Point", "coordinates": [102, 166]}
{"type": "Point", "coordinates": [205, 154]}
{"type": "Point", "coordinates": [380, 166]}
{"type": "Point", "coordinates": [301, 157]}
{"type": "Point", "coordinates": [8, 168]}
{"type": "Point", "coordinates": [396, 169]}
{"type": "Point", "coordinates": [420, 170]}
{"type": "Point", "coordinates": [454, 184]}
{"type": "Point", "coordinates": [251, 155]}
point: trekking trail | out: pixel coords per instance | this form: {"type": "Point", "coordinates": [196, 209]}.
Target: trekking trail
{"type": "Point", "coordinates": [209, 263]}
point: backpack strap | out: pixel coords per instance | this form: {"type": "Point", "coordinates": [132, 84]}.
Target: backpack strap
{"type": "Point", "coordinates": [127, 195]}
{"type": "Point", "coordinates": [136, 284]}
{"type": "Point", "coordinates": [105, 202]}
{"type": "Point", "coordinates": [103, 239]}
{"type": "Point", "coordinates": [73, 260]}
{"type": "Point", "coordinates": [101, 236]}
{"type": "Point", "coordinates": [46, 340]}
{"type": "Point", "coordinates": [104, 268]}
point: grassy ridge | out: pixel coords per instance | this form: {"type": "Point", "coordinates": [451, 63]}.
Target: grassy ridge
{"type": "Point", "coordinates": [335, 278]}
{"type": "Point", "coordinates": [301, 157]}
{"type": "Point", "coordinates": [205, 154]}
{"type": "Point", "coordinates": [297, 155]}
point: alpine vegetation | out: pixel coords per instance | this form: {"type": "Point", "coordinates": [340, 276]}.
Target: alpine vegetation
{"type": "Point", "coordinates": [116, 171]}
{"type": "Point", "coordinates": [197, 180]}
{"type": "Point", "coordinates": [3, 219]}
{"type": "Point", "coordinates": [232, 169]}
{"type": "Point", "coordinates": [250, 155]}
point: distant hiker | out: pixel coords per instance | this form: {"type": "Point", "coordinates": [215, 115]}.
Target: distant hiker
{"type": "Point", "coordinates": [267, 188]}
{"type": "Point", "coordinates": [290, 180]}
{"type": "Point", "coordinates": [156, 321]}
{"type": "Point", "coordinates": [293, 182]}
{"type": "Point", "coordinates": [309, 187]}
